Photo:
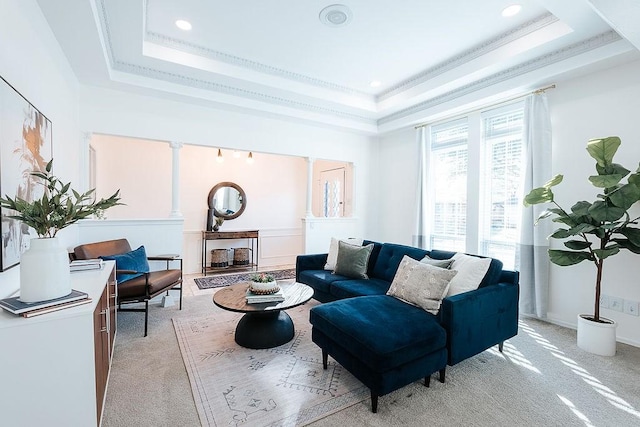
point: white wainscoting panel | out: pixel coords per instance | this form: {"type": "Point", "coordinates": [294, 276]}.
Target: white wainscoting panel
{"type": "Point", "coordinates": [319, 231]}
{"type": "Point", "coordinates": [159, 236]}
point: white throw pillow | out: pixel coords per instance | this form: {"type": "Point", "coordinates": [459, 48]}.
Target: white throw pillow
{"type": "Point", "coordinates": [421, 284]}
{"type": "Point", "coordinates": [471, 271]}
{"type": "Point", "coordinates": [332, 257]}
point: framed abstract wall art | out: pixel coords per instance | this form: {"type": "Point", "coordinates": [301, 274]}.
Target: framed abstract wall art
{"type": "Point", "coordinates": [25, 145]}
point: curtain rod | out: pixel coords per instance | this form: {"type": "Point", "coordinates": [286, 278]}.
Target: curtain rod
{"type": "Point", "coordinates": [535, 92]}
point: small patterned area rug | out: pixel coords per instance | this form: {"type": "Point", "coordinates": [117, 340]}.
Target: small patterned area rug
{"type": "Point", "coordinates": [219, 281]}
{"type": "Point", "coordinates": [282, 386]}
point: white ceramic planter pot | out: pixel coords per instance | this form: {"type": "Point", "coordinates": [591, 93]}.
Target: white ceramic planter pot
{"type": "Point", "coordinates": [595, 337]}
{"type": "Point", "coordinates": [44, 271]}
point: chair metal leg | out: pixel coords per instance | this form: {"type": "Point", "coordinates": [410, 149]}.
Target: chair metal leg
{"type": "Point", "coordinates": [442, 372]}
{"type": "Point", "coordinates": [146, 316]}
{"type": "Point", "coordinates": [374, 402]}
{"type": "Point", "coordinates": [181, 286]}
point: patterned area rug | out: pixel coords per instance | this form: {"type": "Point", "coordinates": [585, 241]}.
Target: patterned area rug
{"type": "Point", "coordinates": [230, 279]}
{"type": "Point", "coordinates": [282, 386]}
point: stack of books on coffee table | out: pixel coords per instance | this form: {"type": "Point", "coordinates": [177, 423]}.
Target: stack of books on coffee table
{"type": "Point", "coordinates": [261, 299]}
{"type": "Point", "coordinates": [30, 309]}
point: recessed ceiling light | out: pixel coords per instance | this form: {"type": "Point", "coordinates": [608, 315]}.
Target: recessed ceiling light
{"type": "Point", "coordinates": [375, 83]}
{"type": "Point", "coordinates": [512, 10]}
{"type": "Point", "coordinates": [183, 25]}
{"type": "Point", "coordinates": [336, 15]}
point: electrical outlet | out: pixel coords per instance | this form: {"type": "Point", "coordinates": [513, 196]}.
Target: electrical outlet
{"type": "Point", "coordinates": [616, 303]}
{"type": "Point", "coordinates": [604, 301]}
{"type": "Point", "coordinates": [631, 307]}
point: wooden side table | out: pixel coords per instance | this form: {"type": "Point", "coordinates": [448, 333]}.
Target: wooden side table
{"type": "Point", "coordinates": [251, 235]}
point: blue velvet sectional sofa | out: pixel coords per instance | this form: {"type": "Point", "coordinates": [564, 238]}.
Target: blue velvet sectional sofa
{"type": "Point", "coordinates": [387, 343]}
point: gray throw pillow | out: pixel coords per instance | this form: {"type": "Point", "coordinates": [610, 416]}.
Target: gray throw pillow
{"type": "Point", "coordinates": [442, 263]}
{"type": "Point", "coordinates": [353, 260]}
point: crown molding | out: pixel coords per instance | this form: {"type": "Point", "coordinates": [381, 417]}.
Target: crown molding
{"type": "Point", "coordinates": [469, 55]}
{"type": "Point", "coordinates": [208, 85]}
{"type": "Point", "coordinates": [534, 64]}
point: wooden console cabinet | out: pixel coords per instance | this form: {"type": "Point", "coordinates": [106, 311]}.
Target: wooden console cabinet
{"type": "Point", "coordinates": [54, 367]}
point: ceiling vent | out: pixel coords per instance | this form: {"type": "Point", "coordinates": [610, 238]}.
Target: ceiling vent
{"type": "Point", "coordinates": [336, 15]}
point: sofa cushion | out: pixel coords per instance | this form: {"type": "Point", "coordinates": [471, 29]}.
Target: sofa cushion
{"type": "Point", "coordinates": [158, 281]}
{"type": "Point", "coordinates": [442, 263]}
{"type": "Point", "coordinates": [353, 260]}
{"type": "Point", "coordinates": [389, 258]}
{"type": "Point", "coordinates": [135, 260]}
{"type": "Point", "coordinates": [381, 331]}
{"type": "Point", "coordinates": [374, 255]}
{"type": "Point", "coordinates": [332, 256]}
{"type": "Point", "coordinates": [492, 277]}
{"type": "Point", "coordinates": [421, 284]}
{"type": "Point", "coordinates": [319, 279]}
{"type": "Point", "coordinates": [471, 270]}
{"type": "Point", "coordinates": [358, 287]}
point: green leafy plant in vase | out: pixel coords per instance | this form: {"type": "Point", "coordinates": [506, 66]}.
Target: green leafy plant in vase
{"type": "Point", "coordinates": [44, 268]}
{"type": "Point", "coordinates": [595, 231]}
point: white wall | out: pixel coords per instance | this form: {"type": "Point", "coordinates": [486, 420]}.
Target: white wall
{"type": "Point", "coordinates": [203, 130]}
{"type": "Point", "coordinates": [396, 187]}
{"type": "Point", "coordinates": [601, 104]}
{"type": "Point", "coordinates": [33, 63]}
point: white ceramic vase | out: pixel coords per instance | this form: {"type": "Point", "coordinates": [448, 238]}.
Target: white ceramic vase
{"type": "Point", "coordinates": [596, 337]}
{"type": "Point", "coordinates": [44, 271]}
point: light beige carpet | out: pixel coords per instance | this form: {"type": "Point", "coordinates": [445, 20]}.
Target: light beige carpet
{"type": "Point", "coordinates": [284, 386]}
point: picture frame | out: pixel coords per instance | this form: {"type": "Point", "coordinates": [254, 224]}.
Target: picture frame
{"type": "Point", "coordinates": [26, 145]}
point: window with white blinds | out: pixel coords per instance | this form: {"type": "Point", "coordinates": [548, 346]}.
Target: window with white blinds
{"type": "Point", "coordinates": [458, 216]}
{"type": "Point", "coordinates": [501, 169]}
{"type": "Point", "coordinates": [449, 159]}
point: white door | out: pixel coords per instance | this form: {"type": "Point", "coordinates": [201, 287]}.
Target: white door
{"type": "Point", "coordinates": [332, 190]}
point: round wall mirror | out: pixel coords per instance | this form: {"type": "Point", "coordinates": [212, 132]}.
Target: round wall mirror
{"type": "Point", "coordinates": [228, 200]}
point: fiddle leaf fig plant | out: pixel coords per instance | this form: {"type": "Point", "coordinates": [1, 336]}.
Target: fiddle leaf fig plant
{"type": "Point", "coordinates": [595, 231]}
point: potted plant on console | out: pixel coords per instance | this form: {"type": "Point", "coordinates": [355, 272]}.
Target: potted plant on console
{"type": "Point", "coordinates": [595, 231]}
{"type": "Point", "coordinates": [44, 267]}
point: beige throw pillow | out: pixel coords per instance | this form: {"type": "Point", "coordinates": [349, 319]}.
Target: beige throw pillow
{"type": "Point", "coordinates": [332, 257]}
{"type": "Point", "coordinates": [471, 271]}
{"type": "Point", "coordinates": [421, 284]}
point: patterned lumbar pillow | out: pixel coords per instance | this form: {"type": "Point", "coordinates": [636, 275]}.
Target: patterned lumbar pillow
{"type": "Point", "coordinates": [421, 284]}
{"type": "Point", "coordinates": [353, 260]}
{"type": "Point", "coordinates": [471, 271]}
{"type": "Point", "coordinates": [332, 257]}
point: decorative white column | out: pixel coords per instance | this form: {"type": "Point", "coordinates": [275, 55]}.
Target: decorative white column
{"type": "Point", "coordinates": [85, 167]}
{"type": "Point", "coordinates": [309, 213]}
{"type": "Point", "coordinates": [175, 179]}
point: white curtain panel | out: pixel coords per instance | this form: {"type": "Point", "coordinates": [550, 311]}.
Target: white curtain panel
{"type": "Point", "coordinates": [421, 227]}
{"type": "Point", "coordinates": [534, 264]}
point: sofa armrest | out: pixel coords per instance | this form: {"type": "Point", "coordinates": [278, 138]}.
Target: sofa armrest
{"type": "Point", "coordinates": [310, 262]}
{"type": "Point", "coordinates": [479, 319]}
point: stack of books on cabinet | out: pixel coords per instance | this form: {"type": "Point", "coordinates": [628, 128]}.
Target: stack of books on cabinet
{"type": "Point", "coordinates": [261, 299]}
{"type": "Point", "coordinates": [30, 309]}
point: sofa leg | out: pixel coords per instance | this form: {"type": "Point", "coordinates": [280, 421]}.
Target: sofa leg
{"type": "Point", "coordinates": [374, 402]}
{"type": "Point", "coordinates": [500, 345]}
{"type": "Point", "coordinates": [427, 380]}
{"type": "Point", "coordinates": [325, 357]}
{"type": "Point", "coordinates": [442, 372]}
